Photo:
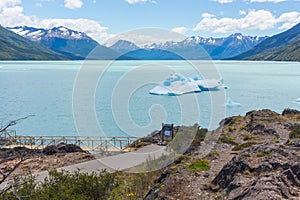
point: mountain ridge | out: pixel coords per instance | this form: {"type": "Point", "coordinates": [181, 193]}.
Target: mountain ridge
{"type": "Point", "coordinates": [15, 47]}
{"type": "Point", "coordinates": [60, 39]}
{"type": "Point", "coordinates": [284, 46]}
{"type": "Point", "coordinates": [196, 47]}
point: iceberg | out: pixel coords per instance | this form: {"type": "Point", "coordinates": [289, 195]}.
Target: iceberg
{"type": "Point", "coordinates": [209, 84]}
{"type": "Point", "coordinates": [177, 84]}
{"type": "Point", "coordinates": [231, 104]}
{"type": "Point", "coordinates": [298, 100]}
{"type": "Point", "coordinates": [174, 85]}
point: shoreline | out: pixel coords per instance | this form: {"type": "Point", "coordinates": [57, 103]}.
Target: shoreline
{"type": "Point", "coordinates": [256, 147]}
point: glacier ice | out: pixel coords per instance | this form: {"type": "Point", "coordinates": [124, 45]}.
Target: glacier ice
{"type": "Point", "coordinates": [298, 100]}
{"type": "Point", "coordinates": [177, 84]}
{"type": "Point", "coordinates": [231, 104]}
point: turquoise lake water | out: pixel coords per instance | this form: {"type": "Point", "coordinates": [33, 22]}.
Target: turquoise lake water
{"type": "Point", "coordinates": [121, 102]}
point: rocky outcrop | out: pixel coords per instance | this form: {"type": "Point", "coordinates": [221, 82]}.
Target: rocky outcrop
{"type": "Point", "coordinates": [255, 157]}
{"type": "Point", "coordinates": [17, 152]}
{"type": "Point", "coordinates": [261, 172]}
{"type": "Point", "coordinates": [36, 160]}
{"type": "Point", "coordinates": [289, 111]}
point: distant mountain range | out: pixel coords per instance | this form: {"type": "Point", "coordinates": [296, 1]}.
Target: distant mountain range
{"type": "Point", "coordinates": [194, 47]}
{"type": "Point", "coordinates": [281, 47]}
{"type": "Point", "coordinates": [63, 43]}
{"type": "Point", "coordinates": [15, 47]}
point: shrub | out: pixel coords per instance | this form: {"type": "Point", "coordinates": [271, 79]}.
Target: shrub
{"type": "Point", "coordinates": [83, 186]}
{"type": "Point", "coordinates": [65, 185]}
{"type": "Point", "coordinates": [200, 136]}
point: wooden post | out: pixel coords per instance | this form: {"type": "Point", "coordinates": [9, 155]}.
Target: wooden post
{"type": "Point", "coordinates": [172, 132]}
{"type": "Point", "coordinates": [162, 132]}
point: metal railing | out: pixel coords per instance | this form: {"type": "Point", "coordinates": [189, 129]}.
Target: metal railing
{"type": "Point", "coordinates": [90, 143]}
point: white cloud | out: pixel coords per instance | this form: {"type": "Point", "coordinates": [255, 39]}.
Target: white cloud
{"type": "Point", "coordinates": [139, 1]}
{"type": "Point", "coordinates": [14, 16]}
{"type": "Point", "coordinates": [181, 30]}
{"type": "Point", "coordinates": [260, 20]}
{"type": "Point", "coordinates": [289, 19]}
{"type": "Point", "coordinates": [242, 12]}
{"type": "Point", "coordinates": [224, 1]}
{"type": "Point", "coordinates": [254, 20]}
{"type": "Point", "coordinates": [207, 15]}
{"type": "Point", "coordinates": [8, 3]}
{"type": "Point", "coordinates": [90, 27]}
{"type": "Point", "coordinates": [73, 4]}
{"type": "Point", "coordinates": [147, 36]}
{"type": "Point", "coordinates": [273, 1]}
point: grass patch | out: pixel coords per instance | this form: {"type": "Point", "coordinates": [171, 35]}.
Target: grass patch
{"type": "Point", "coordinates": [249, 137]}
{"type": "Point", "coordinates": [227, 139]}
{"type": "Point", "coordinates": [199, 165]}
{"type": "Point", "coordinates": [243, 146]}
{"type": "Point", "coordinates": [246, 154]}
{"type": "Point", "coordinates": [263, 153]}
{"type": "Point", "coordinates": [275, 140]}
{"type": "Point", "coordinates": [295, 131]}
{"type": "Point", "coordinates": [213, 154]}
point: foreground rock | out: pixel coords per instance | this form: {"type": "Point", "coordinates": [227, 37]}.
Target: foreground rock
{"type": "Point", "coordinates": [36, 160]}
{"type": "Point", "coordinates": [256, 157]}
{"type": "Point", "coordinates": [261, 172]}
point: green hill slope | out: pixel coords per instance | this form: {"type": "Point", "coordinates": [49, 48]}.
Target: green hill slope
{"type": "Point", "coordinates": [282, 47]}
{"type": "Point", "coordinates": [15, 47]}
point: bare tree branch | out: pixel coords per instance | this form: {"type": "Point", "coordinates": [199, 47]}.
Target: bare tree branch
{"type": "Point", "coordinates": [6, 175]}
{"type": "Point", "coordinates": [13, 122]}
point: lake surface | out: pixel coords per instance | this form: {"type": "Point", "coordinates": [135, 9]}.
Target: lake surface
{"type": "Point", "coordinates": [120, 101]}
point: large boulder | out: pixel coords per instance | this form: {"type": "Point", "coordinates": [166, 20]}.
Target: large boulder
{"type": "Point", "coordinates": [61, 148]}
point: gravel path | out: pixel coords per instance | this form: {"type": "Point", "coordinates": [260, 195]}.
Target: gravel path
{"type": "Point", "coordinates": [112, 163]}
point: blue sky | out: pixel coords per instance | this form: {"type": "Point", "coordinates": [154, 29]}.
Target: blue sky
{"type": "Point", "coordinates": [102, 19]}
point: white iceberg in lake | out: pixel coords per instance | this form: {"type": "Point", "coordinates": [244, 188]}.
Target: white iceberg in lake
{"type": "Point", "coordinates": [177, 84]}
{"type": "Point", "coordinates": [298, 100]}
{"type": "Point", "coordinates": [231, 104]}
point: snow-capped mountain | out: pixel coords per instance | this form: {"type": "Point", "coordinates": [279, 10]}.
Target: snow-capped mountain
{"type": "Point", "coordinates": [124, 46]}
{"type": "Point", "coordinates": [193, 47]}
{"type": "Point", "coordinates": [38, 34]}
{"type": "Point", "coordinates": [58, 38]}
